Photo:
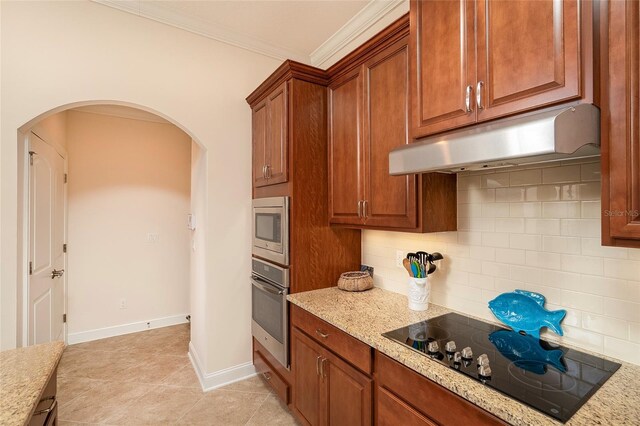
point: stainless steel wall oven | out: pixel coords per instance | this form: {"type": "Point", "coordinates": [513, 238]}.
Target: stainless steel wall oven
{"type": "Point", "coordinates": [270, 319]}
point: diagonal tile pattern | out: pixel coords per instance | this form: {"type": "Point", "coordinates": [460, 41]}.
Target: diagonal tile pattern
{"type": "Point", "coordinates": [146, 379]}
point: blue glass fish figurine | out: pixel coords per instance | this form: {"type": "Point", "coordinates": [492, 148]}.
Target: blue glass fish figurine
{"type": "Point", "coordinates": [524, 311]}
{"type": "Point", "coordinates": [526, 351]}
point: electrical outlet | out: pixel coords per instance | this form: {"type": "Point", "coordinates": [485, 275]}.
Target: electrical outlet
{"type": "Point", "coordinates": [123, 303]}
{"type": "Point", "coordinates": [400, 255]}
{"type": "Point", "coordinates": [153, 237]}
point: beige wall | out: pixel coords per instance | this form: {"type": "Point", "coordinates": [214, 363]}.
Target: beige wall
{"type": "Point", "coordinates": [60, 53]}
{"type": "Point", "coordinates": [535, 229]}
{"type": "Point", "coordinates": [127, 179]}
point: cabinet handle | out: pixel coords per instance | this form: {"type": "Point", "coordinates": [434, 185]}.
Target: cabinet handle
{"type": "Point", "coordinates": [467, 99]}
{"type": "Point", "coordinates": [479, 95]}
{"type": "Point", "coordinates": [323, 372]}
{"type": "Point", "coordinates": [264, 172]}
{"type": "Point", "coordinates": [321, 334]}
{"type": "Point", "coordinates": [266, 376]}
{"type": "Point", "coordinates": [359, 208]}
{"type": "Point", "coordinates": [318, 365]}
{"type": "Point", "coordinates": [47, 410]}
{"type": "Point", "coordinates": [365, 203]}
{"type": "Point", "coordinates": [268, 171]}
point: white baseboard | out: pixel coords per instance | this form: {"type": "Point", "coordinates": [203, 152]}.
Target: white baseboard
{"type": "Point", "coordinates": [119, 330]}
{"type": "Point", "coordinates": [211, 381]}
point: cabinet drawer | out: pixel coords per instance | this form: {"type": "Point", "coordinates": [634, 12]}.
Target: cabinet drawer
{"type": "Point", "coordinates": [392, 411]}
{"type": "Point", "coordinates": [345, 346]}
{"type": "Point", "coordinates": [429, 398]}
{"type": "Point", "coordinates": [263, 368]}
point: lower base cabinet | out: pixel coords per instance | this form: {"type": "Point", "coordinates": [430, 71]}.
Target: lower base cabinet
{"type": "Point", "coordinates": [272, 371]}
{"type": "Point", "coordinates": [334, 377]}
{"type": "Point", "coordinates": [327, 390]}
{"type": "Point", "coordinates": [404, 394]}
{"type": "Point", "coordinates": [46, 412]}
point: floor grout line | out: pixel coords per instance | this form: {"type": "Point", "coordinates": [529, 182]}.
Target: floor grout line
{"type": "Point", "coordinates": [257, 409]}
{"type": "Point", "coordinates": [190, 408]}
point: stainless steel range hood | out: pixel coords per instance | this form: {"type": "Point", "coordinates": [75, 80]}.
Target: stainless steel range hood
{"type": "Point", "coordinates": [553, 135]}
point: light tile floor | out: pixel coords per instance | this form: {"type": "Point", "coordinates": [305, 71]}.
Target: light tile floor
{"type": "Point", "coordinates": [147, 378]}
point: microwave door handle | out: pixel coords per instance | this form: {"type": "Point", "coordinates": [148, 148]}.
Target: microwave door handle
{"type": "Point", "coordinates": [266, 288]}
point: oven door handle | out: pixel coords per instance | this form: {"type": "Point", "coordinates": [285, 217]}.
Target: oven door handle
{"type": "Point", "coordinates": [266, 287]}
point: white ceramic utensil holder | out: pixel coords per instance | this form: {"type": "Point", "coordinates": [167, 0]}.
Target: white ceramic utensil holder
{"type": "Point", "coordinates": [418, 294]}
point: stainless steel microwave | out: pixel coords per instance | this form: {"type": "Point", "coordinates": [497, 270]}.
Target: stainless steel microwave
{"type": "Point", "coordinates": [270, 229]}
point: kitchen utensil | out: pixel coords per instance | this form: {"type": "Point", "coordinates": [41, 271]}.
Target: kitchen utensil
{"type": "Point", "coordinates": [407, 265]}
{"type": "Point", "coordinates": [415, 270]}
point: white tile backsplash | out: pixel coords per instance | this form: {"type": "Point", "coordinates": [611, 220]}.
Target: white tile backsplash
{"type": "Point", "coordinates": [536, 229]}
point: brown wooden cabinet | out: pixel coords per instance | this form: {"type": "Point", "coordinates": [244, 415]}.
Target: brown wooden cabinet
{"type": "Point", "coordinates": [330, 387]}
{"type": "Point", "coordinates": [269, 131]}
{"type": "Point", "coordinates": [290, 107]}
{"type": "Point", "coordinates": [479, 60]}
{"type": "Point", "coordinates": [46, 410]}
{"type": "Point", "coordinates": [620, 123]}
{"type": "Point", "coordinates": [368, 113]}
{"type": "Point", "coordinates": [368, 117]}
{"type": "Point", "coordinates": [401, 393]}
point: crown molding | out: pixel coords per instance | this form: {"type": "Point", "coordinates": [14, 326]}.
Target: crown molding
{"type": "Point", "coordinates": [373, 12]}
{"type": "Point", "coordinates": [286, 71]}
{"type": "Point", "coordinates": [158, 12]}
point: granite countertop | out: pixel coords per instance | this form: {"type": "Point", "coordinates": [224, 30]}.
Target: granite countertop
{"type": "Point", "coordinates": [368, 314]}
{"type": "Point", "coordinates": [24, 373]}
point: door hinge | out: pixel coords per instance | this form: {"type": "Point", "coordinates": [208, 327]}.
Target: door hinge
{"type": "Point", "coordinates": [31, 157]}
{"type": "Point", "coordinates": [64, 248]}
{"type": "Point", "coordinates": [66, 178]}
{"type": "Point", "coordinates": [64, 317]}
{"type": "Point", "coordinates": [30, 268]}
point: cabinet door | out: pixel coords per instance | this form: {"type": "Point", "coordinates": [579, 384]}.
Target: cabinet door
{"type": "Point", "coordinates": [390, 201]}
{"type": "Point", "coordinates": [443, 65]}
{"type": "Point", "coordinates": [306, 357]}
{"type": "Point", "coordinates": [348, 393]}
{"type": "Point", "coordinates": [528, 54]}
{"type": "Point", "coordinates": [621, 128]}
{"type": "Point", "coordinates": [259, 140]}
{"type": "Point", "coordinates": [345, 177]}
{"type": "Point", "coordinates": [277, 140]}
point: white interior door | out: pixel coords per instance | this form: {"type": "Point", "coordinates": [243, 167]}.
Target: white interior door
{"type": "Point", "coordinates": [46, 238]}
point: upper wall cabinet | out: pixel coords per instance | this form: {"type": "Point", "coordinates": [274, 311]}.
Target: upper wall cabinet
{"type": "Point", "coordinates": [620, 123]}
{"type": "Point", "coordinates": [269, 130]}
{"type": "Point", "coordinates": [479, 60]}
{"type": "Point", "coordinates": [368, 117]}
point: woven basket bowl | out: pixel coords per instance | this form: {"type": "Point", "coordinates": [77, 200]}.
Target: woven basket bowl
{"type": "Point", "coordinates": [355, 281]}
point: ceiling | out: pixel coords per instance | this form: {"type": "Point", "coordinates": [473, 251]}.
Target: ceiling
{"type": "Point", "coordinates": [281, 29]}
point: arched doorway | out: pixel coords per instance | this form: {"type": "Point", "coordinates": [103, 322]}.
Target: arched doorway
{"type": "Point", "coordinates": [26, 301]}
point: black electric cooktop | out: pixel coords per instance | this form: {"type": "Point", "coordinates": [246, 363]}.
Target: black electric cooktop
{"type": "Point", "coordinates": [550, 378]}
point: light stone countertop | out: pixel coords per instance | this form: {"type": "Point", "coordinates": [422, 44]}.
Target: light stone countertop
{"type": "Point", "coordinates": [368, 314]}
{"type": "Point", "coordinates": [24, 373]}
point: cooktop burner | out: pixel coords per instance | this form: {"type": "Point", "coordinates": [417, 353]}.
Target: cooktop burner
{"type": "Point", "coordinates": [550, 378]}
